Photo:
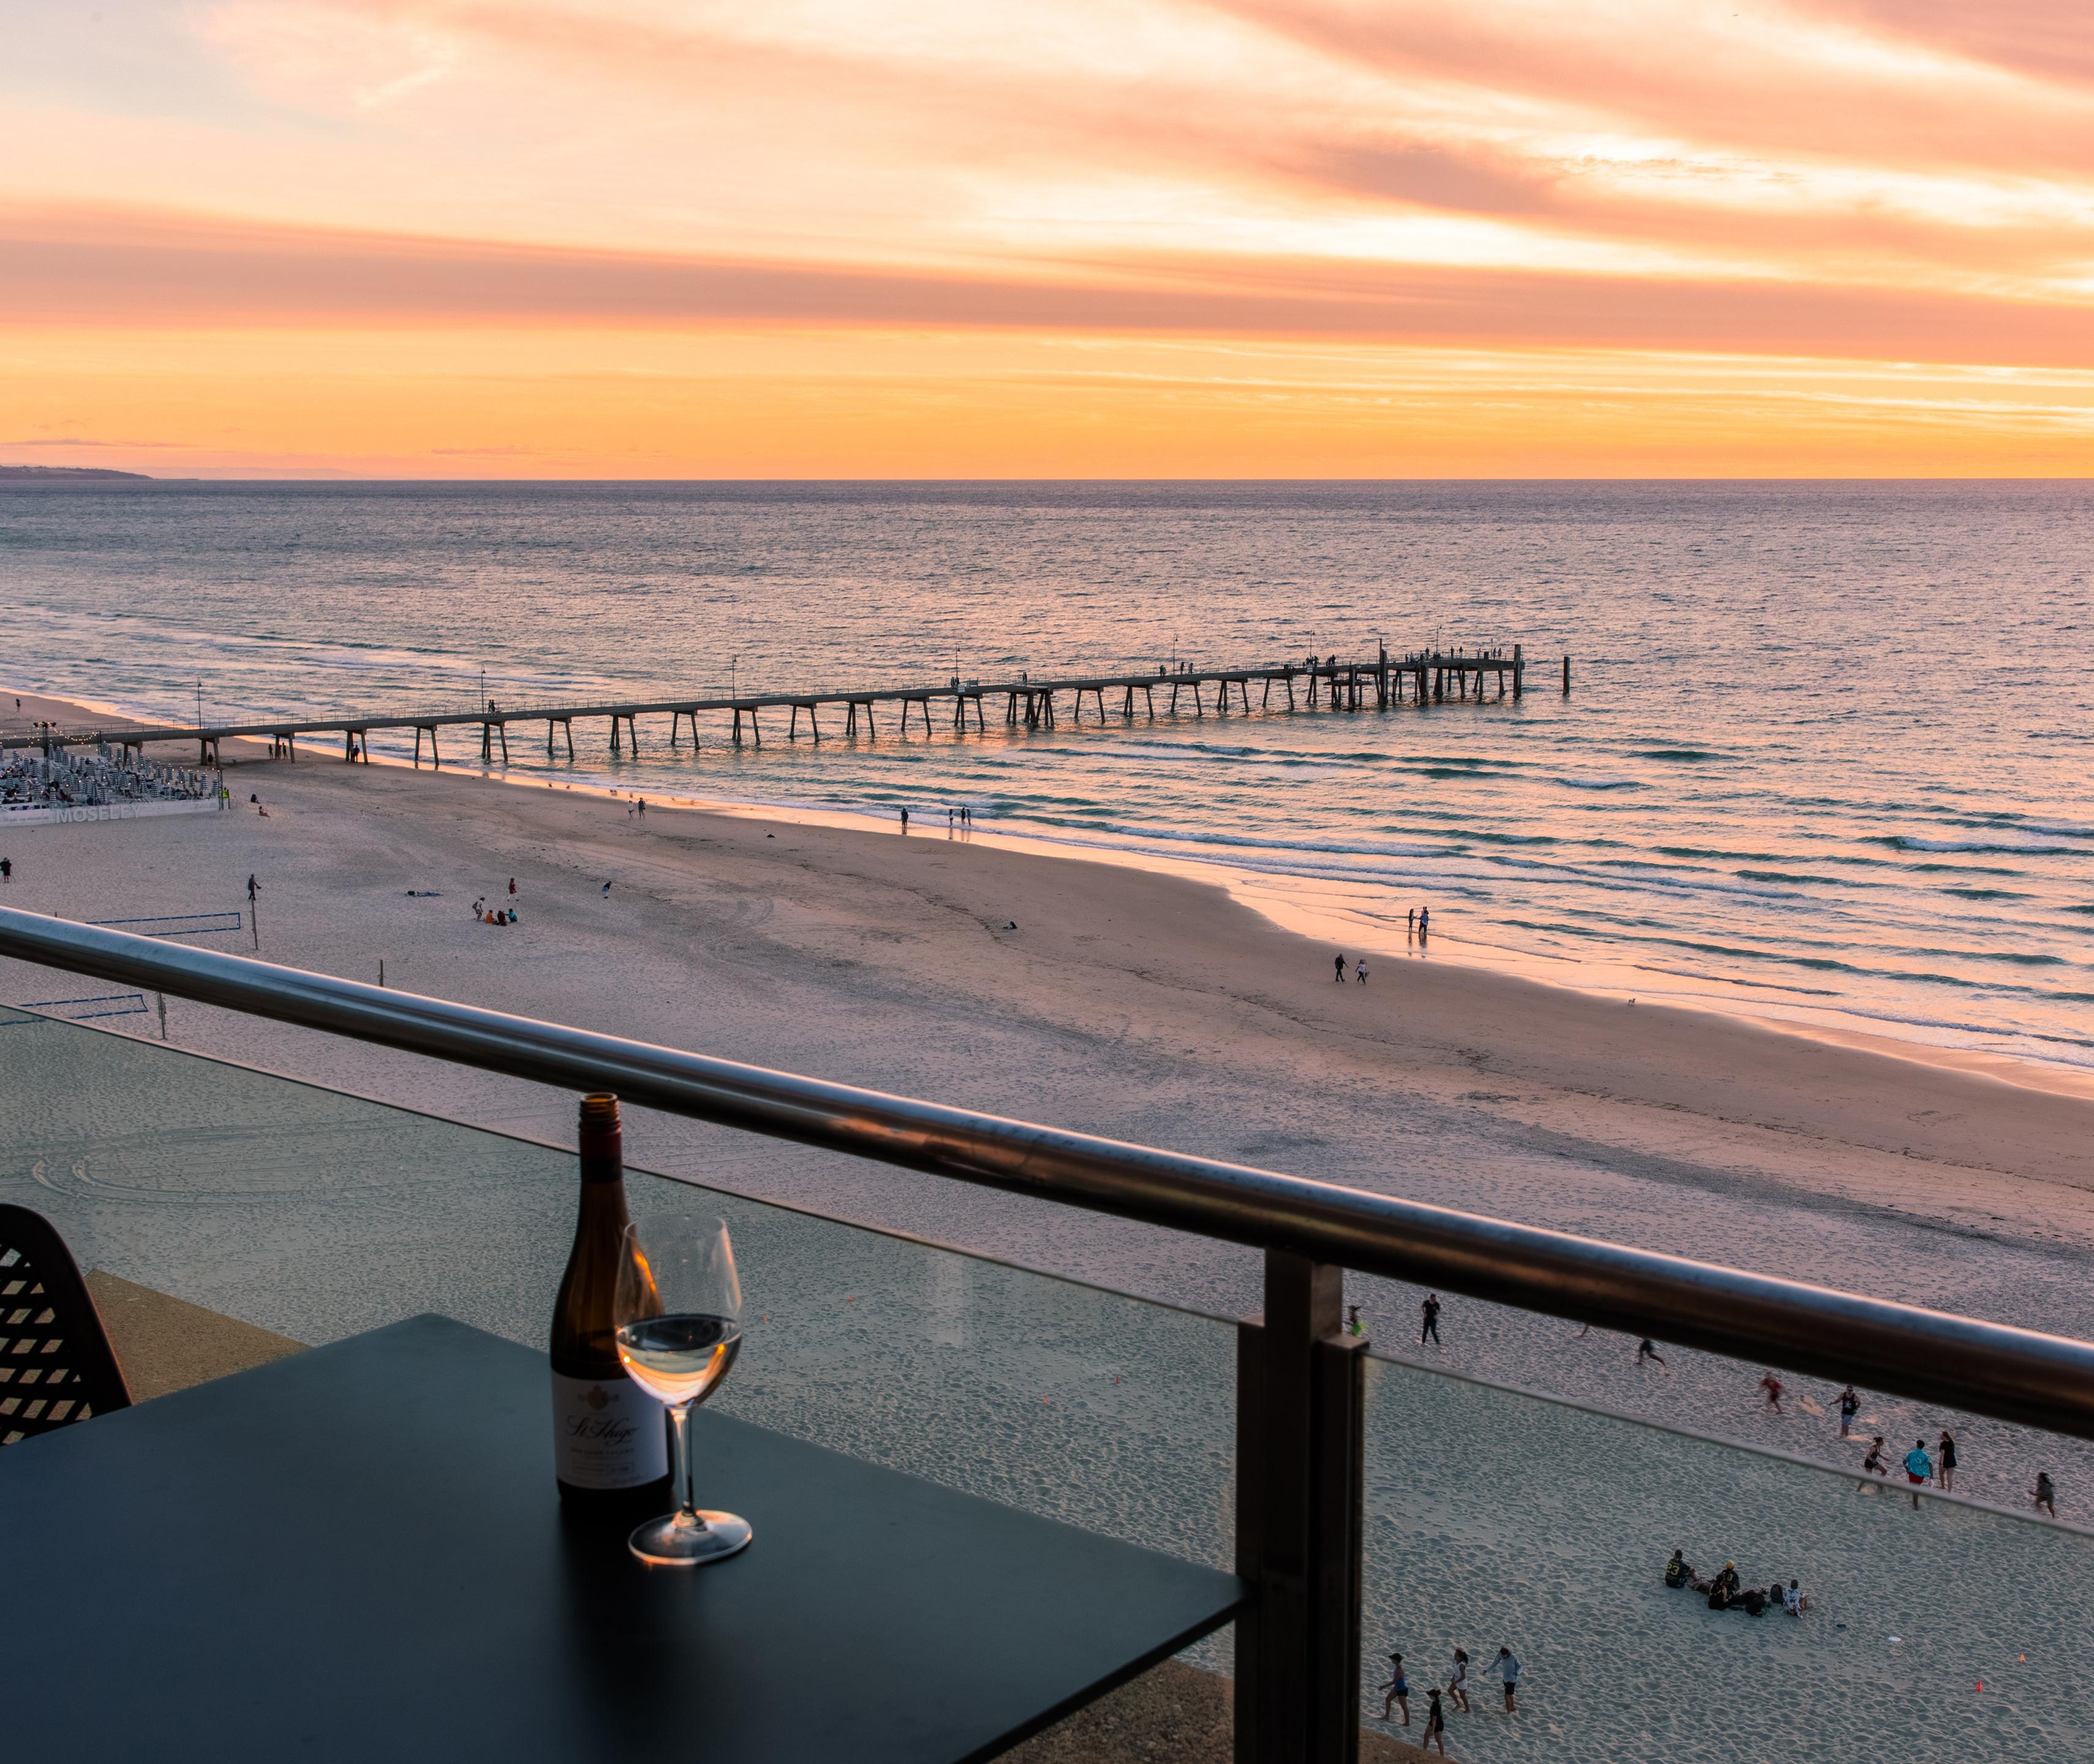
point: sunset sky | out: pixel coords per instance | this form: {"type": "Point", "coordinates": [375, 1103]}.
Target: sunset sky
{"type": "Point", "coordinates": [884, 238]}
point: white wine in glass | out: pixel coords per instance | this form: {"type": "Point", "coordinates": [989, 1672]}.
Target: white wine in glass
{"type": "Point", "coordinates": [678, 1309]}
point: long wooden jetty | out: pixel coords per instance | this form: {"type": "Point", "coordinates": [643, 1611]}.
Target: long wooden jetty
{"type": "Point", "coordinates": [1330, 683]}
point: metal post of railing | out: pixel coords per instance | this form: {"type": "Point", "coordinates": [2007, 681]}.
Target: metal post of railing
{"type": "Point", "coordinates": [1301, 1428]}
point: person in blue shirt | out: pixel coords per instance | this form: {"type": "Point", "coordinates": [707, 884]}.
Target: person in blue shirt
{"type": "Point", "coordinates": [1507, 1666]}
{"type": "Point", "coordinates": [1398, 1688]}
{"type": "Point", "coordinates": [1918, 1467]}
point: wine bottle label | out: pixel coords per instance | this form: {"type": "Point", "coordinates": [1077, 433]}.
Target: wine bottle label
{"type": "Point", "coordinates": [607, 1433]}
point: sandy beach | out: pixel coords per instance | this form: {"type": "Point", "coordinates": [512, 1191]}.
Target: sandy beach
{"type": "Point", "coordinates": [1143, 1005]}
{"type": "Point", "coordinates": [1153, 1007]}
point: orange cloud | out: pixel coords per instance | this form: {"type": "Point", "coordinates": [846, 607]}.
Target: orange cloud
{"type": "Point", "coordinates": [98, 269]}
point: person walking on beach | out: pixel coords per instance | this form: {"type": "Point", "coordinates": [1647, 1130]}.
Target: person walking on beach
{"type": "Point", "coordinates": [1945, 1461]}
{"type": "Point", "coordinates": [2045, 1495]}
{"type": "Point", "coordinates": [7, 869]}
{"type": "Point", "coordinates": [1353, 1321]}
{"type": "Point", "coordinates": [1458, 1681]}
{"type": "Point", "coordinates": [1850, 1405]}
{"type": "Point", "coordinates": [1507, 1666]}
{"type": "Point", "coordinates": [1918, 1467]}
{"type": "Point", "coordinates": [512, 887]}
{"type": "Point", "coordinates": [606, 890]}
{"type": "Point", "coordinates": [905, 820]}
{"type": "Point", "coordinates": [1436, 1725]}
{"type": "Point", "coordinates": [1646, 1351]}
{"type": "Point", "coordinates": [1360, 973]}
{"type": "Point", "coordinates": [253, 888]}
{"type": "Point", "coordinates": [1398, 1688]}
{"type": "Point", "coordinates": [1429, 1323]}
{"type": "Point", "coordinates": [1340, 966]}
{"type": "Point", "coordinates": [1772, 1386]}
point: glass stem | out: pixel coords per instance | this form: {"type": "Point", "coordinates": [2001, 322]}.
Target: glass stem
{"type": "Point", "coordinates": [686, 1483]}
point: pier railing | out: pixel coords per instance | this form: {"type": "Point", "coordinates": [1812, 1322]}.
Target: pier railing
{"type": "Point", "coordinates": [1299, 1380]}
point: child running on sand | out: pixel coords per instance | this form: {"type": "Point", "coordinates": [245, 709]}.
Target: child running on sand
{"type": "Point", "coordinates": [1874, 1463]}
{"type": "Point", "coordinates": [1772, 1386]}
{"type": "Point", "coordinates": [1645, 1351]}
{"type": "Point", "coordinates": [2045, 1495]}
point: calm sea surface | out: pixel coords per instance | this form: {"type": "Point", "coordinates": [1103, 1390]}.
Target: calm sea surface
{"type": "Point", "coordinates": [1827, 758]}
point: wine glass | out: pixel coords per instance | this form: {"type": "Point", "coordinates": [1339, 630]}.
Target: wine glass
{"type": "Point", "coordinates": [678, 1314]}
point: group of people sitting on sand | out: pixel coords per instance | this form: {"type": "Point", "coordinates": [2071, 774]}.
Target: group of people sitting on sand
{"type": "Point", "coordinates": [494, 915]}
{"type": "Point", "coordinates": [1725, 1591]}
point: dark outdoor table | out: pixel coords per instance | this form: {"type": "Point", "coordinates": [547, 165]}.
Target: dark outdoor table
{"type": "Point", "coordinates": [358, 1554]}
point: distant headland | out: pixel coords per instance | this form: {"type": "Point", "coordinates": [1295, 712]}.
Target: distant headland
{"type": "Point", "coordinates": [68, 471]}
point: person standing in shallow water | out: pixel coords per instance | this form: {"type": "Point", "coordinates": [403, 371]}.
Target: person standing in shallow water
{"type": "Point", "coordinates": [1424, 921]}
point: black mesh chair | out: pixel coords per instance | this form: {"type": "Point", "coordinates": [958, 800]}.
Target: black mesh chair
{"type": "Point", "coordinates": [56, 1365]}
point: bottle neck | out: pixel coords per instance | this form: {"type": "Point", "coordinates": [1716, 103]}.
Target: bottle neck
{"type": "Point", "coordinates": [602, 1152]}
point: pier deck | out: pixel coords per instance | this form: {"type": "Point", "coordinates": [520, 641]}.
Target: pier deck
{"type": "Point", "coordinates": [1378, 683]}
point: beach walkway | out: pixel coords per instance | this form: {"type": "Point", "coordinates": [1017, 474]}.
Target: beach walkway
{"type": "Point", "coordinates": [1332, 684]}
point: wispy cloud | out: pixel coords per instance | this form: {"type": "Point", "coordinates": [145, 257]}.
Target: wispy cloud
{"type": "Point", "coordinates": [82, 440]}
{"type": "Point", "coordinates": [1895, 180]}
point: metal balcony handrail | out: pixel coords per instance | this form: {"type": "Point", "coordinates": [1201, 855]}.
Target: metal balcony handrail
{"type": "Point", "coordinates": [1992, 1369]}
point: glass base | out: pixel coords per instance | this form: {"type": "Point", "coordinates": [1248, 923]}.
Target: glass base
{"type": "Point", "coordinates": [689, 1540]}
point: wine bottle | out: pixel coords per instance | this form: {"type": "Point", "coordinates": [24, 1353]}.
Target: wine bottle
{"type": "Point", "coordinates": [611, 1450]}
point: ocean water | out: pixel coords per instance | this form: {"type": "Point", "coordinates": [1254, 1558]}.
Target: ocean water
{"type": "Point", "coordinates": [1825, 758]}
